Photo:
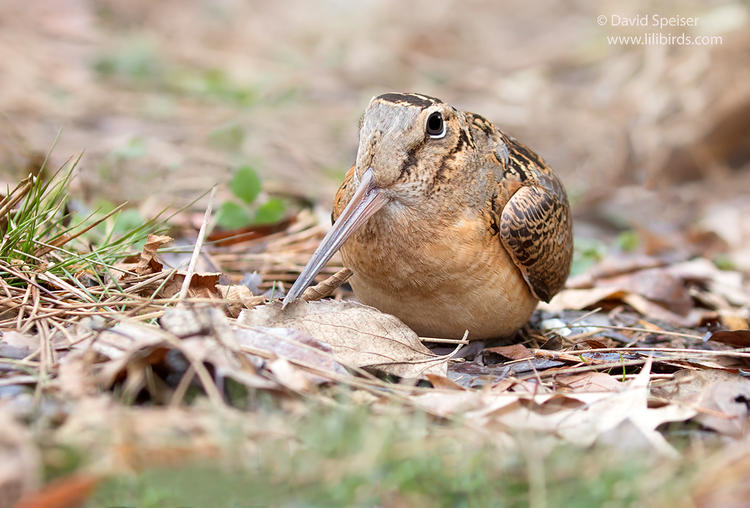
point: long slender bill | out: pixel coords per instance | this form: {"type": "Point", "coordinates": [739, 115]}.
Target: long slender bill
{"type": "Point", "coordinates": [367, 200]}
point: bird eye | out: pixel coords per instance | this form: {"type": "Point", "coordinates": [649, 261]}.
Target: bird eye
{"type": "Point", "coordinates": [435, 125]}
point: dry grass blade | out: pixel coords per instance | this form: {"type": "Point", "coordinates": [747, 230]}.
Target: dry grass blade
{"type": "Point", "coordinates": [14, 196]}
{"type": "Point", "coordinates": [198, 246]}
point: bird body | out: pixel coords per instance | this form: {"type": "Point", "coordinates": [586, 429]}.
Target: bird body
{"type": "Point", "coordinates": [446, 222]}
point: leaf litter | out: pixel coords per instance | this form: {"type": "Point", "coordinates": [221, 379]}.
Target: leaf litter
{"type": "Point", "coordinates": [610, 360]}
{"type": "Point", "coordinates": [635, 343]}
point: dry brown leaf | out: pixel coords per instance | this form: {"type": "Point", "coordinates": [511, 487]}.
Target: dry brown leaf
{"type": "Point", "coordinates": [736, 338]}
{"type": "Point", "coordinates": [512, 352]}
{"type": "Point", "coordinates": [589, 382]}
{"type": "Point", "coordinates": [20, 340]}
{"type": "Point", "coordinates": [75, 376]}
{"type": "Point", "coordinates": [117, 341]}
{"type": "Point", "coordinates": [655, 284]}
{"type": "Point", "coordinates": [727, 283]}
{"type": "Point", "coordinates": [444, 404]}
{"type": "Point", "coordinates": [444, 383]}
{"type": "Point", "coordinates": [734, 320]}
{"type": "Point", "coordinates": [653, 310]}
{"type": "Point", "coordinates": [289, 376]}
{"type": "Point", "coordinates": [359, 336]}
{"type": "Point", "coordinates": [730, 399]}
{"type": "Point", "coordinates": [291, 345]}
{"type": "Point", "coordinates": [202, 285]}
{"type": "Point", "coordinates": [594, 410]}
{"type": "Point", "coordinates": [146, 262]}
{"type": "Point", "coordinates": [239, 297]}
{"type": "Point", "coordinates": [577, 299]}
{"type": "Point", "coordinates": [661, 292]}
{"type": "Point", "coordinates": [722, 398]}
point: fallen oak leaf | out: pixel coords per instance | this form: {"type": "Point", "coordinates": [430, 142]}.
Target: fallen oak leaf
{"type": "Point", "coordinates": [647, 307]}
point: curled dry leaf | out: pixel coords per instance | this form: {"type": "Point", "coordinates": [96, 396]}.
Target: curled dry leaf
{"type": "Point", "coordinates": [359, 336]}
{"type": "Point", "coordinates": [146, 262]}
{"type": "Point", "coordinates": [202, 285]}
{"type": "Point", "coordinates": [238, 297]}
{"type": "Point", "coordinates": [327, 287]}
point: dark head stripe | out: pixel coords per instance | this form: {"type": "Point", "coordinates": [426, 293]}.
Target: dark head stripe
{"type": "Point", "coordinates": [412, 99]}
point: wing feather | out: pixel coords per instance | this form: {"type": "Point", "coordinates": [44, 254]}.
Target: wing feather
{"type": "Point", "coordinates": [536, 230]}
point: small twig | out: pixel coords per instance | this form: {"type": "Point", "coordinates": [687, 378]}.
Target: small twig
{"type": "Point", "coordinates": [182, 387]}
{"type": "Point", "coordinates": [738, 353]}
{"type": "Point", "coordinates": [34, 310]}
{"type": "Point", "coordinates": [588, 368]}
{"type": "Point", "coordinates": [327, 287]}
{"type": "Point", "coordinates": [589, 313]}
{"type": "Point", "coordinates": [443, 341]}
{"type": "Point", "coordinates": [447, 357]}
{"type": "Point", "coordinates": [198, 246]}
{"type": "Point", "coordinates": [24, 302]}
{"type": "Point", "coordinates": [633, 329]}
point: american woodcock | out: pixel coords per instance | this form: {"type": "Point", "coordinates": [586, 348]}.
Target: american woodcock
{"type": "Point", "coordinates": [446, 222]}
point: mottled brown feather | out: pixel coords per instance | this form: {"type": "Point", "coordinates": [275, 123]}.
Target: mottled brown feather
{"type": "Point", "coordinates": [342, 195]}
{"type": "Point", "coordinates": [535, 228]}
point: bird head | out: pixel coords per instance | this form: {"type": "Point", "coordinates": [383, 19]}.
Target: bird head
{"type": "Point", "coordinates": [407, 145]}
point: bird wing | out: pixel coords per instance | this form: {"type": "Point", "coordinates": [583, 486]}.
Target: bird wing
{"type": "Point", "coordinates": [536, 230]}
